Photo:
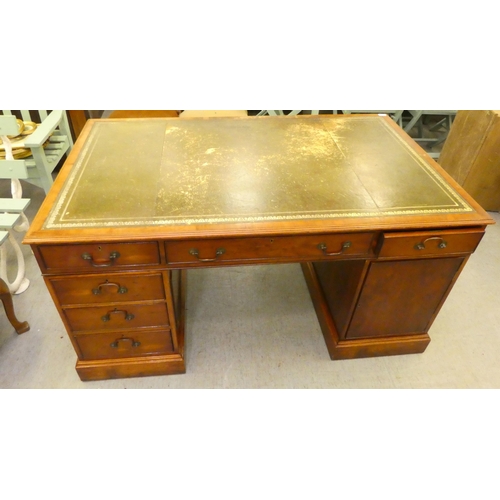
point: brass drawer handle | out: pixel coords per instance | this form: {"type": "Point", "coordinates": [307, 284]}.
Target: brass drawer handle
{"type": "Point", "coordinates": [107, 317]}
{"type": "Point", "coordinates": [133, 342]}
{"type": "Point", "coordinates": [345, 245]}
{"type": "Point", "coordinates": [421, 246]}
{"type": "Point", "coordinates": [195, 252]}
{"type": "Point", "coordinates": [120, 289]}
{"type": "Point", "coordinates": [112, 257]}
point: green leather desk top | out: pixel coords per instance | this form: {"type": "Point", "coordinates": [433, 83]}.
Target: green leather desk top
{"type": "Point", "coordinates": [240, 170]}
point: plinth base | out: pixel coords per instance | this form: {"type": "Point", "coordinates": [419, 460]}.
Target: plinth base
{"type": "Point", "coordinates": [131, 367]}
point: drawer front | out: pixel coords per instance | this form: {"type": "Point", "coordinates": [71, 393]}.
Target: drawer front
{"type": "Point", "coordinates": [102, 256]}
{"type": "Point", "coordinates": [102, 288]}
{"type": "Point", "coordinates": [126, 316]}
{"type": "Point", "coordinates": [114, 345]}
{"type": "Point", "coordinates": [435, 243]}
{"type": "Point", "coordinates": [275, 249]}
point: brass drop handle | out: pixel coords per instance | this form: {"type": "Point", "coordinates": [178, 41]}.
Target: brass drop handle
{"type": "Point", "coordinates": [345, 245]}
{"type": "Point", "coordinates": [107, 317]}
{"type": "Point", "coordinates": [133, 342]}
{"type": "Point", "coordinates": [421, 246]}
{"type": "Point", "coordinates": [195, 252]}
{"type": "Point", "coordinates": [120, 289]}
{"type": "Point", "coordinates": [112, 257]}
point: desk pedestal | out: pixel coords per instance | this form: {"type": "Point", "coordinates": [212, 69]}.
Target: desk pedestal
{"type": "Point", "coordinates": [339, 348]}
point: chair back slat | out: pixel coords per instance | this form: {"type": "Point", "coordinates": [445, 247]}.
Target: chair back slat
{"type": "Point", "coordinates": [43, 114]}
{"type": "Point", "coordinates": [26, 115]}
{"type": "Point", "coordinates": [6, 111]}
{"type": "Point", "coordinates": [13, 169]}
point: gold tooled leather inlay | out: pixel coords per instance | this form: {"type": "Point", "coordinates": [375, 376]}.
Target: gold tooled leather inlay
{"type": "Point", "coordinates": [222, 170]}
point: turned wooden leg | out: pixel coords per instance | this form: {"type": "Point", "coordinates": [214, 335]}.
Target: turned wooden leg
{"type": "Point", "coordinates": [6, 298]}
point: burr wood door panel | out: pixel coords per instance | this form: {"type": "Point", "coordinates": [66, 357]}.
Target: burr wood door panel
{"type": "Point", "coordinates": [402, 297]}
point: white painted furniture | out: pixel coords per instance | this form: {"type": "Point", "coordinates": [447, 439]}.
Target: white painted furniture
{"type": "Point", "coordinates": [46, 145]}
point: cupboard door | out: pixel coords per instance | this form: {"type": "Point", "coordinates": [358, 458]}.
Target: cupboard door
{"type": "Point", "coordinates": [402, 297]}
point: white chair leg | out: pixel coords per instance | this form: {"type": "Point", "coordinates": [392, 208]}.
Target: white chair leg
{"type": "Point", "coordinates": [17, 193]}
{"type": "Point", "coordinates": [21, 283]}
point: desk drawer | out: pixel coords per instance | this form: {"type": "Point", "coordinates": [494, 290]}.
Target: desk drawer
{"type": "Point", "coordinates": [435, 243]}
{"type": "Point", "coordinates": [272, 249]}
{"type": "Point", "coordinates": [118, 345]}
{"type": "Point", "coordinates": [118, 317]}
{"type": "Point", "coordinates": [99, 256]}
{"type": "Point", "coordinates": [103, 288]}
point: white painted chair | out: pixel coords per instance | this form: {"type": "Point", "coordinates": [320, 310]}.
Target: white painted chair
{"type": "Point", "coordinates": [42, 149]}
{"type": "Point", "coordinates": [11, 209]}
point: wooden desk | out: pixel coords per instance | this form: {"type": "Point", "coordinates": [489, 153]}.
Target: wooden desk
{"type": "Point", "coordinates": [381, 231]}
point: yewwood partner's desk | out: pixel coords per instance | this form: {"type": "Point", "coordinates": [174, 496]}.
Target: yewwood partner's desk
{"type": "Point", "coordinates": [381, 231]}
